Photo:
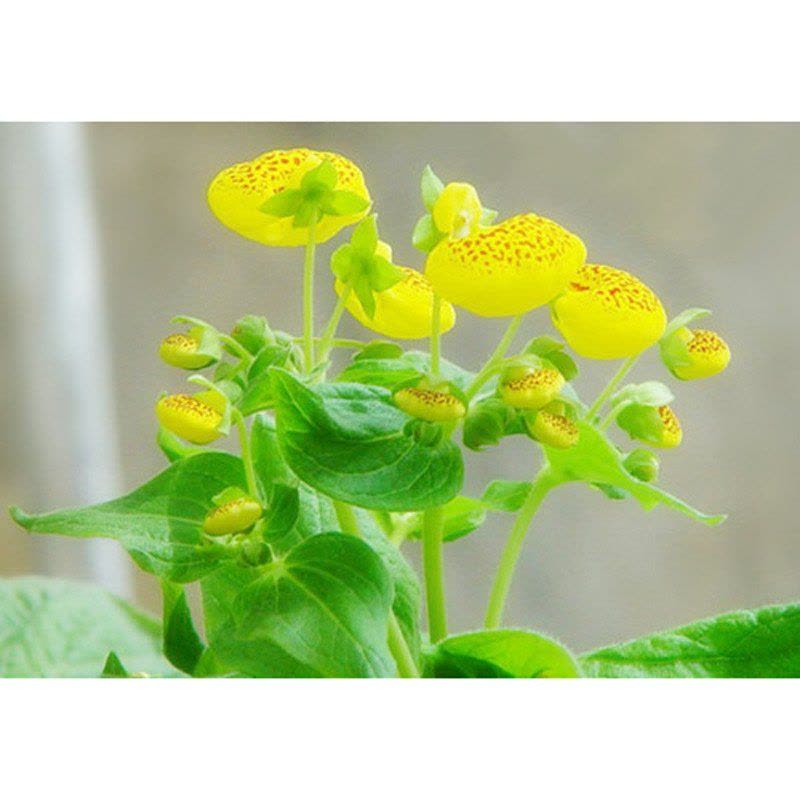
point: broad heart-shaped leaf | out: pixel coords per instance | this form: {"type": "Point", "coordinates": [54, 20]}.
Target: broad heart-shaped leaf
{"type": "Point", "coordinates": [322, 611]}
{"type": "Point", "coordinates": [347, 441]}
{"type": "Point", "coordinates": [763, 643]}
{"type": "Point", "coordinates": [52, 628]}
{"type": "Point", "coordinates": [160, 523]}
{"type": "Point", "coordinates": [390, 372]}
{"type": "Point", "coordinates": [500, 654]}
{"type": "Point", "coordinates": [594, 459]}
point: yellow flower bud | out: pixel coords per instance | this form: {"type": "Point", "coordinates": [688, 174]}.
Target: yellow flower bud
{"type": "Point", "coordinates": [506, 269]}
{"type": "Point", "coordinates": [403, 311]}
{"type": "Point", "coordinates": [180, 350]}
{"type": "Point", "coordinates": [608, 313]}
{"type": "Point", "coordinates": [457, 211]}
{"type": "Point", "coordinates": [233, 517]}
{"type": "Point", "coordinates": [554, 430]}
{"type": "Point", "coordinates": [534, 390]}
{"type": "Point", "coordinates": [430, 405]}
{"type": "Point", "coordinates": [237, 193]}
{"type": "Point", "coordinates": [708, 354]}
{"type": "Point", "coordinates": [192, 417]}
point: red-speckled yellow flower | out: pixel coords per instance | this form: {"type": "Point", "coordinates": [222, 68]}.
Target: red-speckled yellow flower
{"type": "Point", "coordinates": [554, 430]}
{"type": "Point", "coordinates": [234, 516]}
{"type": "Point", "coordinates": [656, 426]}
{"type": "Point", "coordinates": [181, 350]}
{"type": "Point", "coordinates": [608, 313]}
{"type": "Point", "coordinates": [429, 404]}
{"type": "Point", "coordinates": [533, 390]}
{"type": "Point", "coordinates": [195, 418]}
{"type": "Point", "coordinates": [457, 211]}
{"type": "Point", "coordinates": [237, 193]}
{"type": "Point", "coordinates": [702, 354]}
{"type": "Point", "coordinates": [505, 269]}
{"type": "Point", "coordinates": [403, 311]}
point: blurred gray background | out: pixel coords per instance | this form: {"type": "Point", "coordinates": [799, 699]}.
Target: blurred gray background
{"type": "Point", "coordinates": [104, 235]}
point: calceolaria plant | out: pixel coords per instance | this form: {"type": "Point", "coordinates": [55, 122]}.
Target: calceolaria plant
{"type": "Point", "coordinates": [296, 541]}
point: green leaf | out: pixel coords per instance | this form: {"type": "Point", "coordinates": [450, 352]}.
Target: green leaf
{"type": "Point", "coordinates": [426, 235]}
{"type": "Point", "coordinates": [282, 514]}
{"type": "Point", "coordinates": [322, 611]}
{"type": "Point", "coordinates": [379, 350]}
{"type": "Point", "coordinates": [283, 204]}
{"type": "Point", "coordinates": [391, 372]}
{"type": "Point", "coordinates": [257, 395]}
{"type": "Point", "coordinates": [501, 654]}
{"type": "Point", "coordinates": [594, 459]}
{"type": "Point", "coordinates": [182, 644]}
{"type": "Point", "coordinates": [564, 363]}
{"type": "Point", "coordinates": [505, 496]}
{"type": "Point", "coordinates": [462, 516]}
{"type": "Point", "coordinates": [343, 204]}
{"type": "Point", "coordinates": [52, 628]}
{"type": "Point", "coordinates": [113, 667]}
{"type": "Point", "coordinates": [430, 187]}
{"type": "Point", "coordinates": [347, 441]}
{"type": "Point", "coordinates": [764, 643]}
{"type": "Point", "coordinates": [252, 332]}
{"type": "Point", "coordinates": [685, 318]}
{"type": "Point", "coordinates": [160, 523]}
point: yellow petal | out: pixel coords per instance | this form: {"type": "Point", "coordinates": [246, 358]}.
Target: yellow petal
{"type": "Point", "coordinates": [189, 417]}
{"type": "Point", "coordinates": [672, 433]}
{"type": "Point", "coordinates": [233, 517]}
{"type": "Point", "coordinates": [429, 405]}
{"type": "Point", "coordinates": [237, 193]}
{"type": "Point", "coordinates": [708, 355]}
{"type": "Point", "coordinates": [534, 390]}
{"type": "Point", "coordinates": [403, 311]}
{"type": "Point", "coordinates": [506, 269]}
{"type": "Point", "coordinates": [180, 350]}
{"type": "Point", "coordinates": [554, 430]}
{"type": "Point", "coordinates": [457, 210]}
{"type": "Point", "coordinates": [608, 313]}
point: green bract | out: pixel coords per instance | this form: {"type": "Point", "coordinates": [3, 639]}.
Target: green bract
{"type": "Point", "coordinates": [296, 542]}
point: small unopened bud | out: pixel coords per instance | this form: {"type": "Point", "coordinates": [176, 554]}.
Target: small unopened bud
{"type": "Point", "coordinates": [457, 210]}
{"type": "Point", "coordinates": [533, 390]}
{"type": "Point", "coordinates": [429, 404]}
{"type": "Point", "coordinates": [554, 430]}
{"type": "Point", "coordinates": [690, 355]}
{"type": "Point", "coordinates": [234, 516]}
{"type": "Point", "coordinates": [180, 350]}
{"type": "Point", "coordinates": [642, 464]}
{"type": "Point", "coordinates": [192, 417]}
{"type": "Point", "coordinates": [658, 427]}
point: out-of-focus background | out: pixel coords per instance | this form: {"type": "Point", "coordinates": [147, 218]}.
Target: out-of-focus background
{"type": "Point", "coordinates": [105, 234]}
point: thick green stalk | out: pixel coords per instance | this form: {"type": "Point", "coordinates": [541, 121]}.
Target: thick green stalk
{"type": "Point", "coordinates": [308, 300]}
{"type": "Point", "coordinates": [247, 456]}
{"type": "Point", "coordinates": [495, 357]}
{"type": "Point", "coordinates": [436, 345]}
{"type": "Point", "coordinates": [541, 485]}
{"type": "Point", "coordinates": [406, 666]}
{"type": "Point", "coordinates": [329, 333]}
{"type": "Point", "coordinates": [432, 564]}
{"type": "Point", "coordinates": [611, 386]}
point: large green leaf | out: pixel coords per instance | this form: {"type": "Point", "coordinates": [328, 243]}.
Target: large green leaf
{"type": "Point", "coordinates": [389, 372]}
{"type": "Point", "coordinates": [160, 523]}
{"type": "Point", "coordinates": [500, 654]}
{"type": "Point", "coordinates": [321, 611]}
{"type": "Point", "coordinates": [182, 644]}
{"type": "Point", "coordinates": [594, 459]}
{"type": "Point", "coordinates": [347, 441]}
{"type": "Point", "coordinates": [764, 643]}
{"type": "Point", "coordinates": [52, 628]}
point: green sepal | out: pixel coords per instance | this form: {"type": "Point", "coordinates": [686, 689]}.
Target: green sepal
{"type": "Point", "coordinates": [283, 204]}
{"type": "Point", "coordinates": [224, 389]}
{"type": "Point", "coordinates": [649, 393]}
{"type": "Point", "coordinates": [487, 422]}
{"type": "Point", "coordinates": [323, 176]}
{"type": "Point", "coordinates": [505, 496]}
{"type": "Point", "coordinates": [430, 187]}
{"type": "Point", "coordinates": [209, 342]}
{"type": "Point", "coordinates": [228, 495]}
{"type": "Point", "coordinates": [426, 235]}
{"type": "Point", "coordinates": [642, 423]}
{"type": "Point", "coordinates": [488, 216]}
{"type": "Point", "coordinates": [685, 318]}
{"type": "Point", "coordinates": [379, 350]}
{"type": "Point", "coordinates": [253, 333]}
{"type": "Point", "coordinates": [174, 447]}
{"type": "Point", "coordinates": [342, 203]}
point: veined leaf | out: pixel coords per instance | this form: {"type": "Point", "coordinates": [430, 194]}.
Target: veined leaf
{"type": "Point", "coordinates": [764, 643]}
{"type": "Point", "coordinates": [160, 523]}
{"type": "Point", "coordinates": [182, 644]}
{"type": "Point", "coordinates": [501, 654]}
{"type": "Point", "coordinates": [52, 628]}
{"type": "Point", "coordinates": [322, 611]}
{"type": "Point", "coordinates": [391, 372]}
{"type": "Point", "coordinates": [347, 441]}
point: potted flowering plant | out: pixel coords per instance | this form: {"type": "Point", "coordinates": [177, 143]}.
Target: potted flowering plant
{"type": "Point", "coordinates": [296, 542]}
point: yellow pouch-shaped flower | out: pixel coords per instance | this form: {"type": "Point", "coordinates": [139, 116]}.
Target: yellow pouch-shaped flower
{"type": "Point", "coordinates": [608, 313]}
{"type": "Point", "coordinates": [534, 390]}
{"type": "Point", "coordinates": [506, 269]}
{"type": "Point", "coordinates": [429, 404]}
{"type": "Point", "coordinates": [237, 193]}
{"type": "Point", "coordinates": [192, 417]}
{"type": "Point", "coordinates": [403, 311]}
{"type": "Point", "coordinates": [181, 350]}
{"type": "Point", "coordinates": [234, 516]}
{"type": "Point", "coordinates": [706, 352]}
{"type": "Point", "coordinates": [554, 430]}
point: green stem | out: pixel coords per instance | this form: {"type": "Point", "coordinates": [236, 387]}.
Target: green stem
{"type": "Point", "coordinates": [611, 386]}
{"type": "Point", "coordinates": [432, 565]}
{"type": "Point", "coordinates": [398, 647]}
{"type": "Point", "coordinates": [239, 349]}
{"type": "Point", "coordinates": [346, 518]}
{"type": "Point", "coordinates": [436, 344]}
{"type": "Point", "coordinates": [333, 323]}
{"type": "Point", "coordinates": [308, 300]}
{"type": "Point", "coordinates": [495, 357]}
{"type": "Point", "coordinates": [247, 456]}
{"type": "Point", "coordinates": [541, 485]}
